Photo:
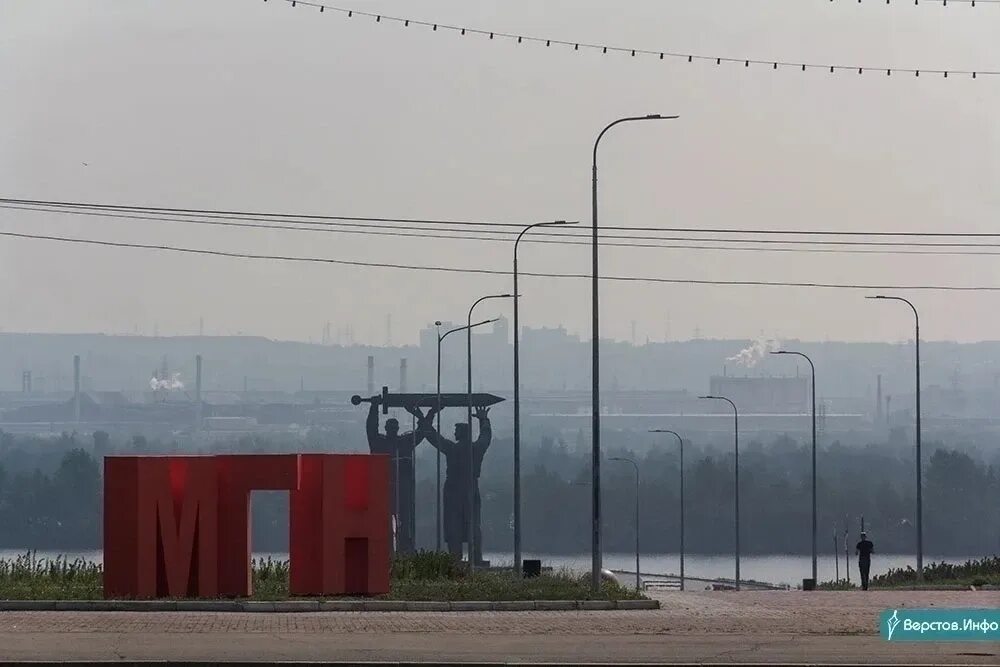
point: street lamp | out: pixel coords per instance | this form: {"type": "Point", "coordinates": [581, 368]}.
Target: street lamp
{"type": "Point", "coordinates": [813, 393]}
{"type": "Point", "coordinates": [920, 502]}
{"type": "Point", "coordinates": [638, 585]}
{"type": "Point", "coordinates": [517, 399]}
{"type": "Point", "coordinates": [680, 441]}
{"type": "Point", "coordinates": [440, 338]}
{"type": "Point", "coordinates": [472, 466]}
{"type": "Point", "coordinates": [736, 435]}
{"type": "Point", "coordinates": [595, 569]}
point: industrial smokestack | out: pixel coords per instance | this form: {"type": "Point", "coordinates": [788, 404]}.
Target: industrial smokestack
{"type": "Point", "coordinates": [76, 388]}
{"type": "Point", "coordinates": [371, 375]}
{"type": "Point", "coordinates": [197, 391]}
{"type": "Point", "coordinates": [402, 376]}
{"type": "Point", "coordinates": [878, 399]}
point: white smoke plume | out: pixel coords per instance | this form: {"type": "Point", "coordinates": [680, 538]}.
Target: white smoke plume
{"type": "Point", "coordinates": [172, 383]}
{"type": "Point", "coordinates": [751, 355]}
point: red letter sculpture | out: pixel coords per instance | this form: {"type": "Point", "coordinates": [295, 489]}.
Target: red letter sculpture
{"type": "Point", "coordinates": [348, 496]}
{"type": "Point", "coordinates": [179, 526]}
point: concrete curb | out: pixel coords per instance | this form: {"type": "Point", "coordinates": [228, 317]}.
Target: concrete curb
{"type": "Point", "coordinates": [306, 606]}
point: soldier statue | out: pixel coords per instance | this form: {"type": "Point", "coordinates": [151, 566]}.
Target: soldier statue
{"type": "Point", "coordinates": [456, 485]}
{"type": "Point", "coordinates": [402, 478]}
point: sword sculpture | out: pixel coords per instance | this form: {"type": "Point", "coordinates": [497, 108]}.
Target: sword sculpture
{"type": "Point", "coordinates": [388, 400]}
{"type": "Point", "coordinates": [463, 457]}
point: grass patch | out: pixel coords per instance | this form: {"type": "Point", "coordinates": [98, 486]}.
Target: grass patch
{"type": "Point", "coordinates": [423, 576]}
{"type": "Point", "coordinates": [983, 572]}
{"type": "Point", "coordinates": [970, 573]}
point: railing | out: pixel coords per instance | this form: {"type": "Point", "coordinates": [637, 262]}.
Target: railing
{"type": "Point", "coordinates": [661, 581]}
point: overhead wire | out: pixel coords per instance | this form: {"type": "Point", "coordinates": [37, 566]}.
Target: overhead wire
{"type": "Point", "coordinates": [618, 240]}
{"type": "Point", "coordinates": [493, 272]}
{"type": "Point", "coordinates": [294, 218]}
{"type": "Point", "coordinates": [670, 243]}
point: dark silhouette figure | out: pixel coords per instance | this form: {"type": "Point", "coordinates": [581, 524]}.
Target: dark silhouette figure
{"type": "Point", "coordinates": [864, 551]}
{"type": "Point", "coordinates": [456, 483]}
{"type": "Point", "coordinates": [402, 477]}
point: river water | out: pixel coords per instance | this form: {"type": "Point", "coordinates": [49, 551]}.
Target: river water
{"type": "Point", "coordinates": [775, 569]}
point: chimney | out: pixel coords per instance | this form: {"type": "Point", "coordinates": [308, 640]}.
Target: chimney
{"type": "Point", "coordinates": [402, 376]}
{"type": "Point", "coordinates": [197, 391]}
{"type": "Point", "coordinates": [76, 388]}
{"type": "Point", "coordinates": [878, 399]}
{"type": "Point", "coordinates": [371, 375]}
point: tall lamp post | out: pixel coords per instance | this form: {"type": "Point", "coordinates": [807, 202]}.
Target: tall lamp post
{"type": "Point", "coordinates": [517, 398]}
{"type": "Point", "coordinates": [595, 568]}
{"type": "Point", "coordinates": [736, 435]}
{"type": "Point", "coordinates": [472, 465]}
{"type": "Point", "coordinates": [680, 441]}
{"type": "Point", "coordinates": [812, 367]}
{"type": "Point", "coordinates": [920, 502]}
{"type": "Point", "coordinates": [440, 339]}
{"type": "Point", "coordinates": [638, 584]}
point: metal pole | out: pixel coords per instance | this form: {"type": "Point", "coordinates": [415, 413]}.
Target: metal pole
{"type": "Point", "coordinates": [441, 337]}
{"type": "Point", "coordinates": [814, 524]}
{"type": "Point", "coordinates": [517, 397]}
{"type": "Point", "coordinates": [920, 501]}
{"type": "Point", "coordinates": [638, 585]}
{"type": "Point", "coordinates": [437, 498]}
{"type": "Point", "coordinates": [638, 582]}
{"type": "Point", "coordinates": [471, 529]}
{"type": "Point", "coordinates": [517, 422]}
{"type": "Point", "coordinates": [680, 441]}
{"type": "Point", "coordinates": [736, 436]}
{"type": "Point", "coordinates": [595, 459]}
{"type": "Point", "coordinates": [471, 536]}
{"type": "Point", "coordinates": [920, 485]}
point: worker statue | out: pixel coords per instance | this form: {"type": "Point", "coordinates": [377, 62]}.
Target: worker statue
{"type": "Point", "coordinates": [402, 477]}
{"type": "Point", "coordinates": [456, 485]}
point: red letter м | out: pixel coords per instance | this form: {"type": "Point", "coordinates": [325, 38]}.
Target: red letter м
{"type": "Point", "coordinates": [160, 526]}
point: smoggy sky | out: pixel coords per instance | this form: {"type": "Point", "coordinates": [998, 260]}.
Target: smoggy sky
{"type": "Point", "coordinates": [240, 104]}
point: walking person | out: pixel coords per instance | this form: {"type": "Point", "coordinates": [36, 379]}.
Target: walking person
{"type": "Point", "coordinates": [864, 551]}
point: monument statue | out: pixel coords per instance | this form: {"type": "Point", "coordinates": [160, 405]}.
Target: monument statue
{"type": "Point", "coordinates": [402, 477]}
{"type": "Point", "coordinates": [401, 448]}
{"type": "Point", "coordinates": [456, 484]}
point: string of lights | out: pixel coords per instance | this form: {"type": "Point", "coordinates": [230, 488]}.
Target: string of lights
{"type": "Point", "coordinates": [668, 243]}
{"type": "Point", "coordinates": [967, 3]}
{"type": "Point", "coordinates": [635, 52]}
{"type": "Point", "coordinates": [384, 222]}
{"type": "Point", "coordinates": [491, 272]}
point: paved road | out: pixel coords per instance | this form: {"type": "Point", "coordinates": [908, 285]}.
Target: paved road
{"type": "Point", "coordinates": [691, 627]}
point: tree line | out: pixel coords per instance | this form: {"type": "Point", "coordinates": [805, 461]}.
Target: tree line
{"type": "Point", "coordinates": [50, 494]}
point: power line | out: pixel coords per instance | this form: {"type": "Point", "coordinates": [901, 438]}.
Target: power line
{"type": "Point", "coordinates": [577, 239]}
{"type": "Point", "coordinates": [661, 55]}
{"type": "Point", "coordinates": [493, 272]}
{"type": "Point", "coordinates": [296, 218]}
{"type": "Point", "coordinates": [668, 242]}
{"type": "Point", "coordinates": [257, 214]}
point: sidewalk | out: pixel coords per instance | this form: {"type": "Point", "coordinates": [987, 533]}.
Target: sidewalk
{"type": "Point", "coordinates": [833, 627]}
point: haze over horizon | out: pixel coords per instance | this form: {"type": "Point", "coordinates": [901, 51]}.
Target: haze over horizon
{"type": "Point", "coordinates": [259, 106]}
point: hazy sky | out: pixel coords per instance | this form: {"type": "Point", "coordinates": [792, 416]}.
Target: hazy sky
{"type": "Point", "coordinates": [241, 104]}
